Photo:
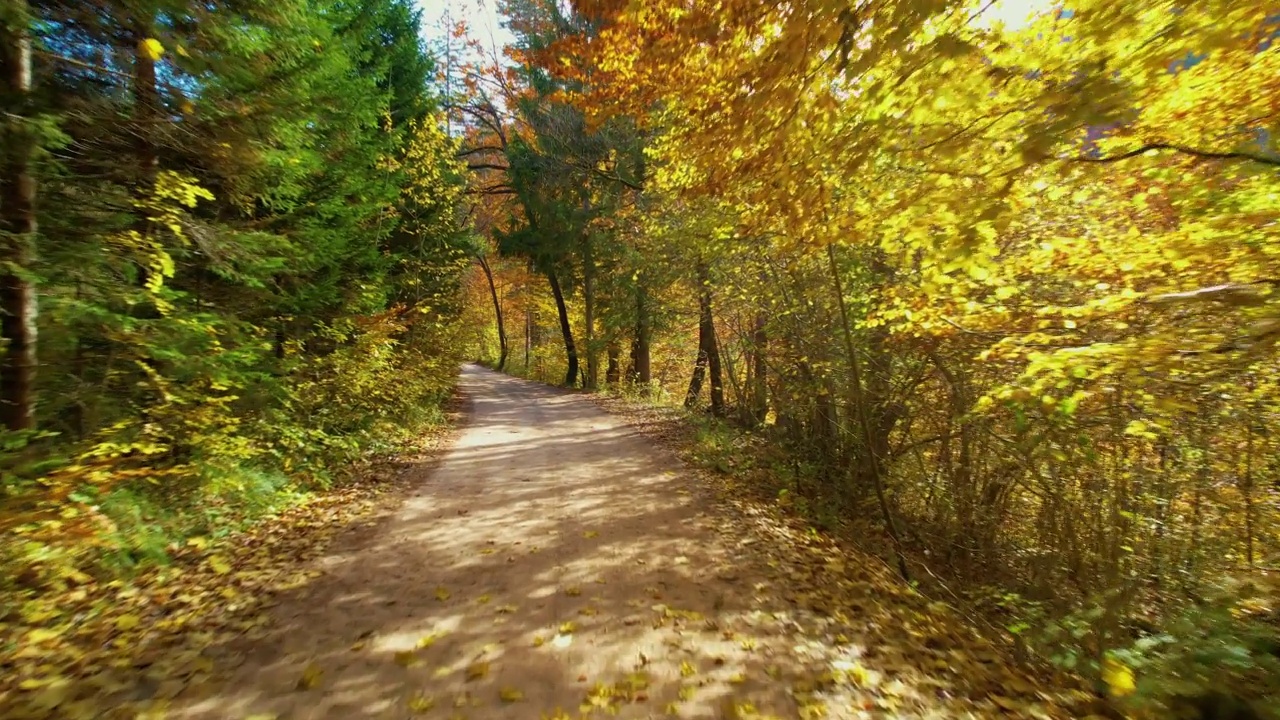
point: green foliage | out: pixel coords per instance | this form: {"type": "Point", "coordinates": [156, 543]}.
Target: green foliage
{"type": "Point", "coordinates": [248, 270]}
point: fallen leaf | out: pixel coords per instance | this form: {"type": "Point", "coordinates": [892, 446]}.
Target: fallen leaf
{"type": "Point", "coordinates": [510, 695]}
{"type": "Point", "coordinates": [53, 695]}
{"type": "Point", "coordinates": [219, 564]}
{"type": "Point", "coordinates": [406, 658]}
{"type": "Point", "coordinates": [311, 677]}
{"type": "Point", "coordinates": [590, 534]}
{"type": "Point", "coordinates": [1004, 702]}
{"type": "Point", "coordinates": [40, 635]}
{"type": "Point", "coordinates": [421, 703]}
{"type": "Point", "coordinates": [442, 594]}
{"type": "Point", "coordinates": [477, 671]}
{"type": "Point", "coordinates": [1118, 677]}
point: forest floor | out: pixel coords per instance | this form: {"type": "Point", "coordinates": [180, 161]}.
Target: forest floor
{"type": "Point", "coordinates": [558, 562]}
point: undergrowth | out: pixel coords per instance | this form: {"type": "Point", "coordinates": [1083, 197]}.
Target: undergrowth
{"type": "Point", "coordinates": [1219, 653]}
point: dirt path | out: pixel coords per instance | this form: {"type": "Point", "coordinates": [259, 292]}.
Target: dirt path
{"type": "Point", "coordinates": [534, 555]}
{"type": "Point", "coordinates": [554, 559]}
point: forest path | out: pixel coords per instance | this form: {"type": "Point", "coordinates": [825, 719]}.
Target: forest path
{"type": "Point", "coordinates": [556, 558]}
{"type": "Point", "coordinates": [534, 555]}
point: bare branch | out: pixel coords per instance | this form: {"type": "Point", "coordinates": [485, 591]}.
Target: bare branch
{"type": "Point", "coordinates": [1202, 154]}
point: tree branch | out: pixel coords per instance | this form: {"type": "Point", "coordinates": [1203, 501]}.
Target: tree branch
{"type": "Point", "coordinates": [1202, 154]}
{"type": "Point", "coordinates": [478, 149]}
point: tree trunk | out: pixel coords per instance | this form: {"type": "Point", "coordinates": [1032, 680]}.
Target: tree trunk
{"type": "Point", "coordinates": [146, 116]}
{"type": "Point", "coordinates": [871, 459]}
{"type": "Point", "coordinates": [497, 311]}
{"type": "Point", "coordinates": [18, 221]}
{"type": "Point", "coordinates": [589, 310]}
{"type": "Point", "coordinates": [571, 374]}
{"type": "Point", "coordinates": [641, 365]}
{"type": "Point", "coordinates": [146, 112]}
{"type": "Point", "coordinates": [280, 339]}
{"type": "Point", "coordinates": [760, 387]}
{"type": "Point", "coordinates": [529, 327]}
{"type": "Point", "coordinates": [695, 382]}
{"type": "Point", "coordinates": [708, 350]}
{"type": "Point", "coordinates": [613, 374]}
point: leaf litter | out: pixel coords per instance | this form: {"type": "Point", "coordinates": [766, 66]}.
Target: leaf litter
{"type": "Point", "coordinates": [877, 647]}
{"type": "Point", "coordinates": [117, 648]}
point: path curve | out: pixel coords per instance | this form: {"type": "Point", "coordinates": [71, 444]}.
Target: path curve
{"type": "Point", "coordinates": [554, 559]}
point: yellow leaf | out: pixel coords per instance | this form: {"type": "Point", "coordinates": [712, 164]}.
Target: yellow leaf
{"type": "Point", "coordinates": [127, 622]}
{"type": "Point", "coordinates": [687, 669]}
{"type": "Point", "coordinates": [590, 534]}
{"type": "Point", "coordinates": [39, 635]}
{"type": "Point", "coordinates": [1139, 429]}
{"type": "Point", "coordinates": [151, 49]}
{"type": "Point", "coordinates": [1004, 702]}
{"type": "Point", "coordinates": [406, 658]}
{"type": "Point", "coordinates": [539, 641]}
{"type": "Point", "coordinates": [311, 677]}
{"type": "Point", "coordinates": [421, 703]}
{"type": "Point", "coordinates": [219, 564]}
{"type": "Point", "coordinates": [510, 695]}
{"type": "Point", "coordinates": [1118, 677]}
{"type": "Point", "coordinates": [442, 594]}
{"type": "Point", "coordinates": [477, 671]}
{"type": "Point", "coordinates": [427, 641]}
